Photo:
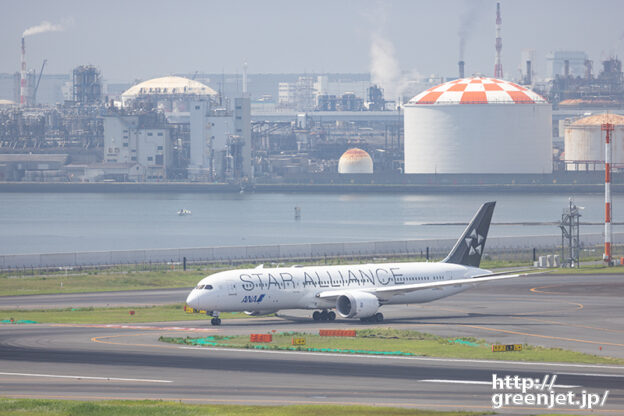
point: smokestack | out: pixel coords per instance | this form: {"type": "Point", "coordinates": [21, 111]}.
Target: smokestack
{"type": "Point", "coordinates": [608, 128]}
{"type": "Point", "coordinates": [245, 79]}
{"type": "Point", "coordinates": [461, 68]}
{"type": "Point", "coordinates": [498, 66]}
{"type": "Point", "coordinates": [566, 68]}
{"type": "Point", "coordinates": [588, 69]}
{"type": "Point", "coordinates": [528, 73]}
{"type": "Point", "coordinates": [23, 80]}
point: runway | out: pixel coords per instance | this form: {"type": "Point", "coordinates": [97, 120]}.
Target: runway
{"type": "Point", "coordinates": [577, 312]}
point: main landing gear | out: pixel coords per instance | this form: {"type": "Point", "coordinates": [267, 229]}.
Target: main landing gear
{"type": "Point", "coordinates": [377, 318]}
{"type": "Point", "coordinates": [324, 315]}
{"type": "Point", "coordinates": [215, 320]}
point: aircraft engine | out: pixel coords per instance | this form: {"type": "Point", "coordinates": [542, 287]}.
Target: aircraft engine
{"type": "Point", "coordinates": [357, 305]}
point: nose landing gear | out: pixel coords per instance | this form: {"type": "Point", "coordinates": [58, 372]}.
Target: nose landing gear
{"type": "Point", "coordinates": [215, 321]}
{"type": "Point", "coordinates": [324, 315]}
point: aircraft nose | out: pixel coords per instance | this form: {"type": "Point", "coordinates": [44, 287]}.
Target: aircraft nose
{"type": "Point", "coordinates": [193, 299]}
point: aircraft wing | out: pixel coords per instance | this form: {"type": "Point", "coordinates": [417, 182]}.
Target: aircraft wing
{"type": "Point", "coordinates": [385, 293]}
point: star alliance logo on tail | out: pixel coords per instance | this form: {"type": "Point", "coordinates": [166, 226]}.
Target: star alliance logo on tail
{"type": "Point", "coordinates": [474, 242]}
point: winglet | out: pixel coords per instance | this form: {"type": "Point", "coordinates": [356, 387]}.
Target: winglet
{"type": "Point", "coordinates": [469, 248]}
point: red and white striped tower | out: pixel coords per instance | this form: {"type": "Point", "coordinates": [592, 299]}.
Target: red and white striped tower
{"type": "Point", "coordinates": [23, 80]}
{"type": "Point", "coordinates": [608, 128]}
{"type": "Point", "coordinates": [498, 66]}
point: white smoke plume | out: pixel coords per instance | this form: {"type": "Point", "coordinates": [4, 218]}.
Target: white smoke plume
{"type": "Point", "coordinates": [385, 70]}
{"type": "Point", "coordinates": [43, 27]}
{"type": "Point", "coordinates": [467, 23]}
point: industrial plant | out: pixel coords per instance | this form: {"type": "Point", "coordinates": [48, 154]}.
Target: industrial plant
{"type": "Point", "coordinates": [314, 128]}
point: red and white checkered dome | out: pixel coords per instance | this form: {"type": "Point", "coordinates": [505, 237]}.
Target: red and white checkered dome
{"type": "Point", "coordinates": [478, 90]}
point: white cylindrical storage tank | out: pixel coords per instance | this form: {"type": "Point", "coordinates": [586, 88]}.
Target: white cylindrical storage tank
{"type": "Point", "coordinates": [355, 161]}
{"type": "Point", "coordinates": [478, 125]}
{"type": "Point", "coordinates": [584, 142]}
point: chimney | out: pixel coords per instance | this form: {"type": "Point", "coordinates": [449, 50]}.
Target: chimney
{"type": "Point", "coordinates": [566, 68]}
{"type": "Point", "coordinates": [461, 68]}
{"type": "Point", "coordinates": [23, 79]}
{"type": "Point", "coordinates": [498, 65]}
{"type": "Point", "coordinates": [588, 69]}
{"type": "Point", "coordinates": [528, 73]}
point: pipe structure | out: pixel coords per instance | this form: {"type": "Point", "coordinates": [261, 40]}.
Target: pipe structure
{"type": "Point", "coordinates": [461, 68]}
{"type": "Point", "coordinates": [23, 80]}
{"type": "Point", "coordinates": [245, 79]}
{"type": "Point", "coordinates": [608, 128]}
{"type": "Point", "coordinates": [498, 66]}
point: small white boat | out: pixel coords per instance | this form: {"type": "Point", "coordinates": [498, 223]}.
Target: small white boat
{"type": "Point", "coordinates": [184, 212]}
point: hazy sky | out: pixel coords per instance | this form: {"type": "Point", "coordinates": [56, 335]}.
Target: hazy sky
{"type": "Point", "coordinates": [142, 39]}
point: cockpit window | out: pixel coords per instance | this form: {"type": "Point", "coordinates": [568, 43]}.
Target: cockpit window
{"type": "Point", "coordinates": [199, 287]}
{"type": "Point", "coordinates": [208, 287]}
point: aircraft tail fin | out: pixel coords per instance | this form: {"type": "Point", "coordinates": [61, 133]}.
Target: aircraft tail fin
{"type": "Point", "coordinates": [469, 248]}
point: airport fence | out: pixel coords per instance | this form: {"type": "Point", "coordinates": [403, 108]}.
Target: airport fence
{"type": "Point", "coordinates": [518, 248]}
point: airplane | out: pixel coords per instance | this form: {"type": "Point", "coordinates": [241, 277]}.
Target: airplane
{"type": "Point", "coordinates": [354, 291]}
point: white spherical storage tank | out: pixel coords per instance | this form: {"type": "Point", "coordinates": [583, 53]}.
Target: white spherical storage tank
{"type": "Point", "coordinates": [355, 161]}
{"type": "Point", "coordinates": [478, 125]}
{"type": "Point", "coordinates": [585, 142]}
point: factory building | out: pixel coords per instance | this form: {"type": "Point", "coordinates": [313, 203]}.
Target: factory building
{"type": "Point", "coordinates": [584, 143]}
{"type": "Point", "coordinates": [220, 141]}
{"type": "Point", "coordinates": [478, 125]}
{"type": "Point", "coordinates": [566, 63]}
{"type": "Point", "coordinates": [134, 139]}
{"type": "Point", "coordinates": [87, 85]}
{"type": "Point", "coordinates": [355, 161]}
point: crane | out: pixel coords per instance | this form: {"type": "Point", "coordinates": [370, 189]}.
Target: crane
{"type": "Point", "coordinates": [38, 81]}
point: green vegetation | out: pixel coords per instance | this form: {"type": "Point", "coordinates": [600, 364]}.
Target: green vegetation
{"type": "Point", "coordinates": [37, 407]}
{"type": "Point", "coordinates": [166, 313]}
{"type": "Point", "coordinates": [591, 269]}
{"type": "Point", "coordinates": [96, 281]}
{"type": "Point", "coordinates": [160, 276]}
{"type": "Point", "coordinates": [388, 341]}
{"type": "Point", "coordinates": [31, 282]}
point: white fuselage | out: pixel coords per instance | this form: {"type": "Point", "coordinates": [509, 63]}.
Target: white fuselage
{"type": "Point", "coordinates": [269, 290]}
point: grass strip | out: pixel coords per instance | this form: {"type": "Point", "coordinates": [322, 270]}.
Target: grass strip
{"type": "Point", "coordinates": [131, 278]}
{"type": "Point", "coordinates": [42, 407]}
{"type": "Point", "coordinates": [95, 281]}
{"type": "Point", "coordinates": [162, 313]}
{"type": "Point", "coordinates": [389, 341]}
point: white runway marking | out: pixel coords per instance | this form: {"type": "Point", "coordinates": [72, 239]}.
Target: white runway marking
{"type": "Point", "coordinates": [591, 374]}
{"type": "Point", "coordinates": [486, 383]}
{"type": "Point", "coordinates": [86, 377]}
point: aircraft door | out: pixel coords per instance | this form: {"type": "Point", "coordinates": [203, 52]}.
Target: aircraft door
{"type": "Point", "coordinates": [231, 288]}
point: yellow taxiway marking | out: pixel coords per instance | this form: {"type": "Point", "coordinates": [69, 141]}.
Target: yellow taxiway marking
{"type": "Point", "coordinates": [566, 324]}
{"type": "Point", "coordinates": [586, 341]}
{"type": "Point", "coordinates": [100, 340]}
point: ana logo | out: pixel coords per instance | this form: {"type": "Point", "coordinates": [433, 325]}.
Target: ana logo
{"type": "Point", "coordinates": [253, 298]}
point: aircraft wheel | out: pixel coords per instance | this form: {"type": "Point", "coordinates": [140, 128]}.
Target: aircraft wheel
{"type": "Point", "coordinates": [316, 316]}
{"type": "Point", "coordinates": [324, 316]}
{"type": "Point", "coordinates": [378, 317]}
{"type": "Point", "coordinates": [331, 315]}
{"type": "Point", "coordinates": [215, 321]}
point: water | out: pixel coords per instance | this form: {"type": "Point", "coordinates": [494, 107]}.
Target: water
{"type": "Point", "coordinates": [57, 222]}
